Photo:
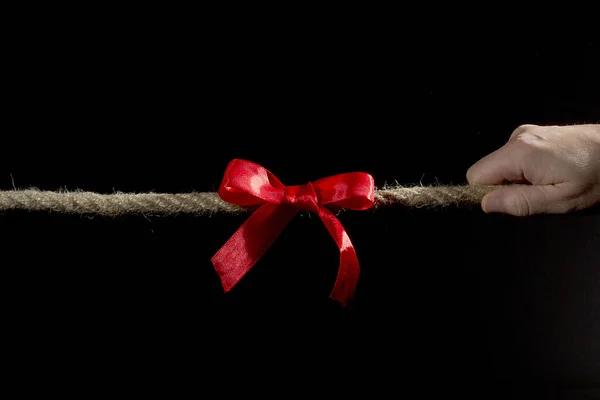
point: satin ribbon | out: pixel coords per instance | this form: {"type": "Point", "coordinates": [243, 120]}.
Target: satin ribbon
{"type": "Point", "coordinates": [248, 184]}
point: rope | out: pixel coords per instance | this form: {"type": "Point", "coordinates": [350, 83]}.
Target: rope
{"type": "Point", "coordinates": [200, 203]}
{"type": "Point", "coordinates": [433, 196]}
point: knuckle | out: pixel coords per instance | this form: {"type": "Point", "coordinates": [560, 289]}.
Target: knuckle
{"type": "Point", "coordinates": [521, 129]}
{"type": "Point", "coordinates": [526, 142]}
{"type": "Point", "coordinates": [524, 139]}
{"type": "Point", "coordinates": [527, 126]}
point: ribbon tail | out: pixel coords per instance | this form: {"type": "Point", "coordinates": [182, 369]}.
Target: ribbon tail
{"type": "Point", "coordinates": [250, 242]}
{"type": "Point", "coordinates": [347, 278]}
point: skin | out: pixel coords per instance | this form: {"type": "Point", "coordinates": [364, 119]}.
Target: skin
{"type": "Point", "coordinates": [559, 165]}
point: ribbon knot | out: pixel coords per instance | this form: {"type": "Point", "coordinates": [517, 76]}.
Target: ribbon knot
{"type": "Point", "coordinates": [248, 184]}
{"type": "Point", "coordinates": [303, 197]}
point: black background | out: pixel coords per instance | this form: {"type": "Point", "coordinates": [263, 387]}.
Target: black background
{"type": "Point", "coordinates": [448, 300]}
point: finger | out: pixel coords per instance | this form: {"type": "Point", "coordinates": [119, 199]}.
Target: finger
{"type": "Point", "coordinates": [498, 167]}
{"type": "Point", "coordinates": [525, 200]}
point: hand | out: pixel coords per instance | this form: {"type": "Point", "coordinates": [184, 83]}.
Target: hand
{"type": "Point", "coordinates": [559, 165]}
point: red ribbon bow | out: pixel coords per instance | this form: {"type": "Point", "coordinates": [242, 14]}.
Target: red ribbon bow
{"type": "Point", "coordinates": [249, 184]}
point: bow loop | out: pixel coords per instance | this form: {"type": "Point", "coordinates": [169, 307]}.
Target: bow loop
{"type": "Point", "coordinates": [355, 190]}
{"type": "Point", "coordinates": [248, 184]}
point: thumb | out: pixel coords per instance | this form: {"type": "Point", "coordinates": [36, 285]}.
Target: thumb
{"type": "Point", "coordinates": [525, 200]}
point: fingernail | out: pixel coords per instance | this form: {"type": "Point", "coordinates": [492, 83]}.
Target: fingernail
{"type": "Point", "coordinates": [492, 204]}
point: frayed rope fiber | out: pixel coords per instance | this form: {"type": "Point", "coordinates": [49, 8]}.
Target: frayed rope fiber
{"type": "Point", "coordinates": [199, 203]}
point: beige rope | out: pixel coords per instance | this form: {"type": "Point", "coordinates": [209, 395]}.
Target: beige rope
{"type": "Point", "coordinates": [199, 203]}
{"type": "Point", "coordinates": [432, 196]}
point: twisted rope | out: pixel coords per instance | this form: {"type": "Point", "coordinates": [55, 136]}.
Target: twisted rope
{"type": "Point", "coordinates": [432, 196]}
{"type": "Point", "coordinates": [200, 203]}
